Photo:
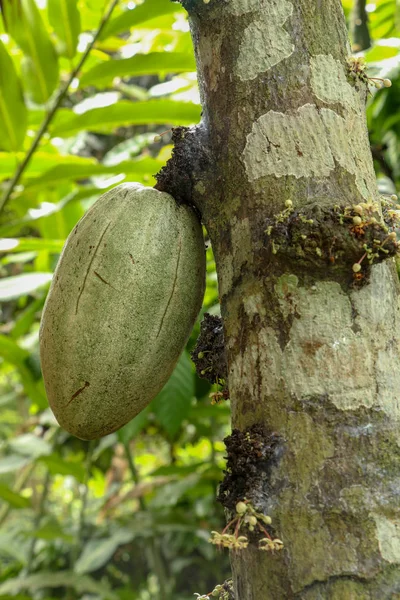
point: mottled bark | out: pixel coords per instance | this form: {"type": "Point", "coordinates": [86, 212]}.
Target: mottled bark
{"type": "Point", "coordinates": [312, 350]}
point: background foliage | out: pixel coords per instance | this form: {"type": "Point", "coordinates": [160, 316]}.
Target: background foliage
{"type": "Point", "coordinates": [127, 516]}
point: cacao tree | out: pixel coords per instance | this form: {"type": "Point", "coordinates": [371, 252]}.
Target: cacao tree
{"type": "Point", "coordinates": [281, 171]}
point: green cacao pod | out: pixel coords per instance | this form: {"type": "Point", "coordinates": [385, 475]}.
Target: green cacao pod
{"type": "Point", "coordinates": [124, 297]}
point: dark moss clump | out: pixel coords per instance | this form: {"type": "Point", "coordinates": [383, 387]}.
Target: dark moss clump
{"type": "Point", "coordinates": [209, 352]}
{"type": "Point", "coordinates": [189, 157]}
{"type": "Point", "coordinates": [251, 455]}
{"type": "Point", "coordinates": [330, 241]}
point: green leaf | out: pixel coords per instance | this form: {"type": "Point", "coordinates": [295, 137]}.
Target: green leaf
{"type": "Point", "coordinates": [18, 597]}
{"type": "Point", "coordinates": [62, 466]}
{"type": "Point", "coordinates": [31, 244]}
{"type": "Point", "coordinates": [182, 470]}
{"type": "Point", "coordinates": [98, 552]}
{"type": "Point", "coordinates": [13, 114]}
{"type": "Point", "coordinates": [41, 161]}
{"type": "Point", "coordinates": [11, 352]}
{"type": "Point", "coordinates": [201, 411]}
{"type": "Point", "coordinates": [49, 579]}
{"type": "Point", "coordinates": [137, 169]}
{"type": "Point", "coordinates": [31, 76]}
{"type": "Point", "coordinates": [51, 530]}
{"type": "Point", "coordinates": [37, 114]}
{"type": "Point", "coordinates": [12, 463]}
{"type": "Point", "coordinates": [21, 285]}
{"type": "Point", "coordinates": [12, 498]}
{"type": "Point", "coordinates": [172, 404]}
{"type": "Point", "coordinates": [18, 258]}
{"type": "Point", "coordinates": [12, 545]}
{"type": "Point", "coordinates": [39, 64]}
{"type": "Point", "coordinates": [379, 53]}
{"type": "Point", "coordinates": [128, 149]}
{"type": "Point", "coordinates": [140, 14]}
{"type": "Point", "coordinates": [154, 63]}
{"type": "Point", "coordinates": [30, 445]}
{"type": "Point", "coordinates": [134, 427]}
{"type": "Point", "coordinates": [10, 398]}
{"type": "Point", "coordinates": [17, 356]}
{"type": "Point", "coordinates": [126, 113]}
{"type": "Point", "coordinates": [136, 92]}
{"type": "Point", "coordinates": [65, 19]}
{"type": "Point", "coordinates": [72, 198]}
{"type": "Point", "coordinates": [171, 493]}
{"type": "Point", "coordinates": [106, 442]}
{"type": "Point", "coordinates": [383, 20]}
{"type": "Point", "coordinates": [23, 322]}
{"type": "Point", "coordinates": [60, 223]}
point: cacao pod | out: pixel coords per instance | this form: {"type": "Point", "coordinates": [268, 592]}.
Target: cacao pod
{"type": "Point", "coordinates": [124, 297]}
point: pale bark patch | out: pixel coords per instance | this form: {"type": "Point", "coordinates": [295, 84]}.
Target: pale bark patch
{"type": "Point", "coordinates": [352, 399]}
{"type": "Point", "coordinates": [388, 378]}
{"type": "Point", "coordinates": [388, 535]}
{"type": "Point", "coordinates": [265, 42]}
{"type": "Point", "coordinates": [329, 82]}
{"type": "Point", "coordinates": [378, 316]}
{"type": "Point", "coordinates": [377, 305]}
{"type": "Point", "coordinates": [288, 144]}
{"type": "Point", "coordinates": [331, 351]}
{"type": "Point", "coordinates": [253, 305]}
{"type": "Point", "coordinates": [349, 144]}
{"type": "Point", "coordinates": [309, 143]}
{"type": "Point", "coordinates": [323, 355]}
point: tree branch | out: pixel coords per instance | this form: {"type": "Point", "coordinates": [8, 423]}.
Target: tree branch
{"type": "Point", "coordinates": [56, 104]}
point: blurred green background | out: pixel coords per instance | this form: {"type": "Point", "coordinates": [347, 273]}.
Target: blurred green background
{"type": "Point", "coordinates": [129, 516]}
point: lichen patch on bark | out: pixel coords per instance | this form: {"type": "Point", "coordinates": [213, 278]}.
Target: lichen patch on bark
{"type": "Point", "coordinates": [265, 42]}
{"type": "Point", "coordinates": [309, 143]}
{"type": "Point", "coordinates": [329, 82]}
{"type": "Point", "coordinates": [288, 144]}
{"type": "Point", "coordinates": [388, 535]}
{"type": "Point", "coordinates": [253, 305]}
{"type": "Point", "coordinates": [324, 354]}
{"type": "Point", "coordinates": [348, 141]}
{"type": "Point", "coordinates": [378, 315]}
{"type": "Point", "coordinates": [329, 352]}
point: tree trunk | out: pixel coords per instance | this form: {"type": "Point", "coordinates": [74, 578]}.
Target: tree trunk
{"type": "Point", "coordinates": [280, 168]}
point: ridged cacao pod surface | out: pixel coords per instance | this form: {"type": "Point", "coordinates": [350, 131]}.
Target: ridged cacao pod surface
{"type": "Point", "coordinates": [124, 298]}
